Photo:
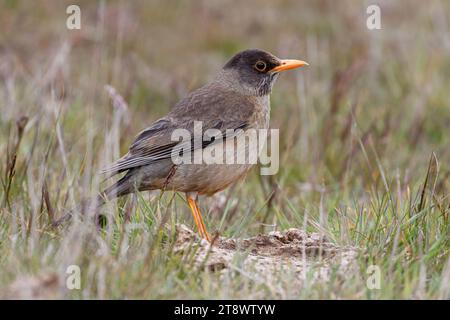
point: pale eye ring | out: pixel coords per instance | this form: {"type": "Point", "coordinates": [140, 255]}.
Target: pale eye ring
{"type": "Point", "coordinates": [260, 65]}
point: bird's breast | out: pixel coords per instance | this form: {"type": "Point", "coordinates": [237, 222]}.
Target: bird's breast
{"type": "Point", "coordinates": [260, 118]}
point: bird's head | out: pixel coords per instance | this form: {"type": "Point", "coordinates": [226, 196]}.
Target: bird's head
{"type": "Point", "coordinates": [254, 71]}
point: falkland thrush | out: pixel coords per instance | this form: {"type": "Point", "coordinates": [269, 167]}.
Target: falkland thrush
{"type": "Point", "coordinates": [238, 98]}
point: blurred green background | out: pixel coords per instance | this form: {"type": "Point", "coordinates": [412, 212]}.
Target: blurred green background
{"type": "Point", "coordinates": [390, 85]}
{"type": "Point", "coordinates": [358, 126]}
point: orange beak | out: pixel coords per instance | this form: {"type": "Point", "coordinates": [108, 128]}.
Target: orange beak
{"type": "Point", "coordinates": [289, 64]}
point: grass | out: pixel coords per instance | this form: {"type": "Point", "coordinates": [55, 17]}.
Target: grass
{"type": "Point", "coordinates": [364, 142]}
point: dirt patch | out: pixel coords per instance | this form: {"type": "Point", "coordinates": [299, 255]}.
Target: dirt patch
{"type": "Point", "coordinates": [268, 256]}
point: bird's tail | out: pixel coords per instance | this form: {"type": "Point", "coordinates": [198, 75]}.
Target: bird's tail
{"type": "Point", "coordinates": [118, 189]}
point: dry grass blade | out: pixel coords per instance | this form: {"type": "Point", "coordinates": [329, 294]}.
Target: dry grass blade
{"type": "Point", "coordinates": [430, 178]}
{"type": "Point", "coordinates": [11, 159]}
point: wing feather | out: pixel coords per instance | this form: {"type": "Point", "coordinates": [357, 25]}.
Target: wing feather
{"type": "Point", "coordinates": [221, 111]}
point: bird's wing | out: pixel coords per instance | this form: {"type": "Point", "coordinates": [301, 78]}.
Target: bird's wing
{"type": "Point", "coordinates": [155, 142]}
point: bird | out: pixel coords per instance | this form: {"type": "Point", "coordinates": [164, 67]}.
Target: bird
{"type": "Point", "coordinates": [236, 100]}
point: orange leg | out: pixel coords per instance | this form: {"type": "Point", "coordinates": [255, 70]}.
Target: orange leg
{"type": "Point", "coordinates": [198, 218]}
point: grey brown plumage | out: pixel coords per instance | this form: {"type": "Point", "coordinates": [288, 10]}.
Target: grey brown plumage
{"type": "Point", "coordinates": [237, 99]}
{"type": "Point", "coordinates": [149, 157]}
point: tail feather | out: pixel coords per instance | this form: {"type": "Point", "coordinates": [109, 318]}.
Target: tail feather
{"type": "Point", "coordinates": [118, 189]}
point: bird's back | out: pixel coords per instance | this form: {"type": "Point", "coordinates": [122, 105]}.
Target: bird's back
{"type": "Point", "coordinates": [214, 106]}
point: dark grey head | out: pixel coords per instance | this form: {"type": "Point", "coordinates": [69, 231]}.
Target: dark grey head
{"type": "Point", "coordinates": [256, 70]}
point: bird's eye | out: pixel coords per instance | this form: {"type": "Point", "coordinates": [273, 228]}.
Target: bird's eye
{"type": "Point", "coordinates": [260, 65]}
